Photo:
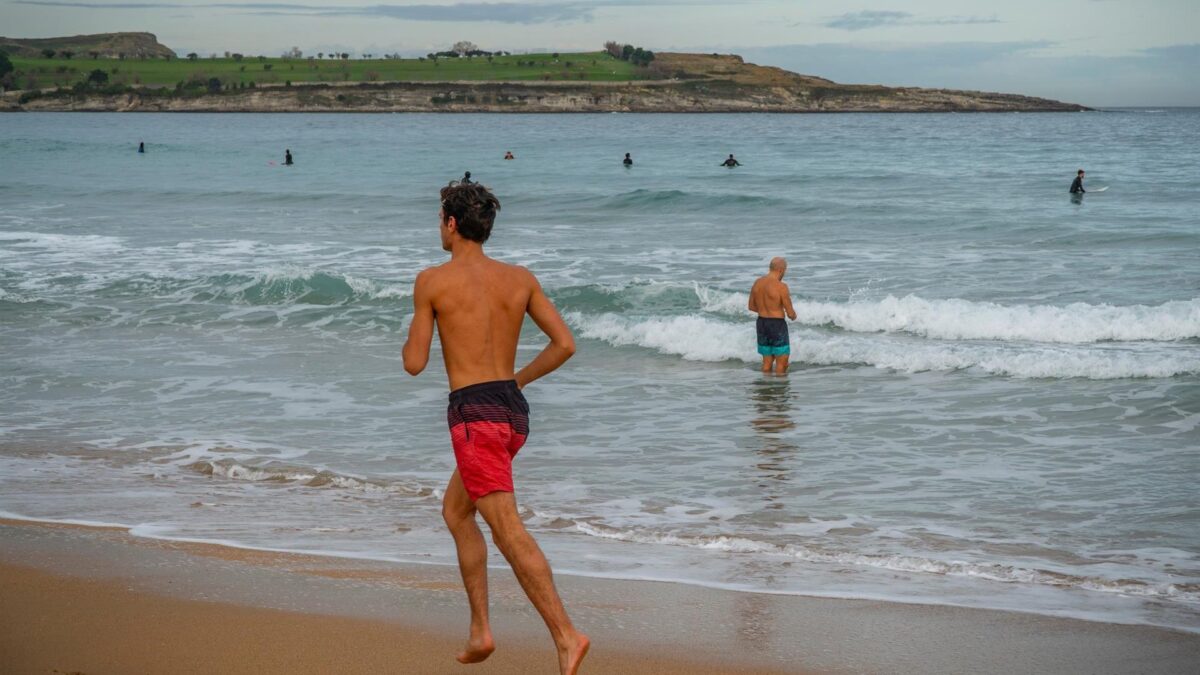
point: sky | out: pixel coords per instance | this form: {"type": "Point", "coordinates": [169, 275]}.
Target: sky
{"type": "Point", "coordinates": [1099, 53]}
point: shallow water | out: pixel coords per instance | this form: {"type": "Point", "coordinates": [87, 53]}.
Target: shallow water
{"type": "Point", "coordinates": [995, 399]}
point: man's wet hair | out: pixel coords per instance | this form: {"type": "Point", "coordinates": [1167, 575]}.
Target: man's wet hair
{"type": "Point", "coordinates": [1079, 172]}
{"type": "Point", "coordinates": [473, 207]}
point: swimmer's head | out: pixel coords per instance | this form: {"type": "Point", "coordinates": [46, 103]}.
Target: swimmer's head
{"type": "Point", "coordinates": [778, 264]}
{"type": "Point", "coordinates": [468, 211]}
{"type": "Point", "coordinates": [1079, 172]}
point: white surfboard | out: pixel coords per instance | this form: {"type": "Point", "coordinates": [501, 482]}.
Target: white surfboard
{"type": "Point", "coordinates": [1099, 189]}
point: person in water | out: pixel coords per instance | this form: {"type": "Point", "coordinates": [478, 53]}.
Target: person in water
{"type": "Point", "coordinates": [287, 157]}
{"type": "Point", "coordinates": [478, 305]}
{"type": "Point", "coordinates": [731, 162]}
{"type": "Point", "coordinates": [466, 179]}
{"type": "Point", "coordinates": [628, 160]}
{"type": "Point", "coordinates": [141, 146]}
{"type": "Point", "coordinates": [770, 298]}
{"type": "Point", "coordinates": [509, 155]}
{"type": "Point", "coordinates": [1077, 184]}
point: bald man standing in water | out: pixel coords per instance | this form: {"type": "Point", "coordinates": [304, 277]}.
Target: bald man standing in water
{"type": "Point", "coordinates": [770, 298]}
{"type": "Point", "coordinates": [478, 305]}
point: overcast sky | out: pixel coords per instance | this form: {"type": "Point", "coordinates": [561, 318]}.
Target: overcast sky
{"type": "Point", "coordinates": [1095, 52]}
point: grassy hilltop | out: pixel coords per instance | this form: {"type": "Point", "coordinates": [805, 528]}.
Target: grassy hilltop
{"type": "Point", "coordinates": [132, 71]}
{"type": "Point", "coordinates": [40, 72]}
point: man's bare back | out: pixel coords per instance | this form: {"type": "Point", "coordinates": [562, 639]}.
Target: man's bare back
{"type": "Point", "coordinates": [478, 306]}
{"type": "Point", "coordinates": [771, 299]}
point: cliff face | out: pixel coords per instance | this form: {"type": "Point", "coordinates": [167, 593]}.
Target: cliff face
{"type": "Point", "coordinates": [700, 95]}
{"type": "Point", "coordinates": [106, 45]}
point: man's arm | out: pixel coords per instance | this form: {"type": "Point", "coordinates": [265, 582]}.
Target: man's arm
{"type": "Point", "coordinates": [420, 331]}
{"type": "Point", "coordinates": [562, 343]}
{"type": "Point", "coordinates": [787, 302]}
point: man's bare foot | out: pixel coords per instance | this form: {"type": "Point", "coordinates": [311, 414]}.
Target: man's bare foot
{"type": "Point", "coordinates": [571, 654]}
{"type": "Point", "coordinates": [477, 649]}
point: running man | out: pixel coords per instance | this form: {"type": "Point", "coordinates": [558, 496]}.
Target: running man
{"type": "Point", "coordinates": [770, 298]}
{"type": "Point", "coordinates": [478, 305]}
{"type": "Point", "coordinates": [1077, 184]}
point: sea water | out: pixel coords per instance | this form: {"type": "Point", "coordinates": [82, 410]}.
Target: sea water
{"type": "Point", "coordinates": [994, 399]}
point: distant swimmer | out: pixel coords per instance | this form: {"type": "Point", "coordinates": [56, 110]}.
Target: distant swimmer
{"type": "Point", "coordinates": [509, 155]}
{"type": "Point", "coordinates": [1077, 185]}
{"type": "Point", "coordinates": [731, 162]}
{"type": "Point", "coordinates": [769, 297]}
{"type": "Point", "coordinates": [142, 147]}
{"type": "Point", "coordinates": [628, 160]}
{"type": "Point", "coordinates": [466, 179]}
{"type": "Point", "coordinates": [287, 158]}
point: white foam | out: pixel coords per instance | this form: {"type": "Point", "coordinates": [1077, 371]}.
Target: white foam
{"type": "Point", "coordinates": [700, 338]}
{"type": "Point", "coordinates": [899, 563]}
{"type": "Point", "coordinates": [956, 319]}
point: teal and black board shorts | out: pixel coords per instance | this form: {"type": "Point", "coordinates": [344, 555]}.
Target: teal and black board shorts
{"type": "Point", "coordinates": [773, 337]}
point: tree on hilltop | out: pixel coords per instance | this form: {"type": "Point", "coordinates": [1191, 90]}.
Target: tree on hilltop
{"type": "Point", "coordinates": [6, 66]}
{"type": "Point", "coordinates": [48, 53]}
{"type": "Point", "coordinates": [463, 47]}
{"type": "Point", "coordinates": [192, 56]}
{"type": "Point", "coordinates": [97, 78]}
{"type": "Point", "coordinates": [613, 49]}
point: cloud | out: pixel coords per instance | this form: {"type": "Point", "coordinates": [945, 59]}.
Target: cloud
{"type": "Point", "coordinates": [855, 21]}
{"type": "Point", "coordinates": [867, 19]}
{"type": "Point", "coordinates": [499, 12]}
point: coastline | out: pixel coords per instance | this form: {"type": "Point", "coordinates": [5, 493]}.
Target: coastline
{"type": "Point", "coordinates": [90, 599]}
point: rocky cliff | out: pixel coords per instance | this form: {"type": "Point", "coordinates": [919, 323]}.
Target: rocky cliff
{"type": "Point", "coordinates": [106, 45]}
{"type": "Point", "coordinates": [689, 83]}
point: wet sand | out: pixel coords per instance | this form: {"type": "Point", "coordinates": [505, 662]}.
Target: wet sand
{"type": "Point", "coordinates": [98, 600]}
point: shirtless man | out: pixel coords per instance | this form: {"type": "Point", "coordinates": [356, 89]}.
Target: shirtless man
{"type": "Point", "coordinates": [770, 298]}
{"type": "Point", "coordinates": [478, 305]}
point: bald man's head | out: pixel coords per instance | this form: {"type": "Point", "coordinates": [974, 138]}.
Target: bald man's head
{"type": "Point", "coordinates": [778, 264]}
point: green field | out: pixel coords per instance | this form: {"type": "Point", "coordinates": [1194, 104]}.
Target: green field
{"type": "Point", "coordinates": [586, 67]}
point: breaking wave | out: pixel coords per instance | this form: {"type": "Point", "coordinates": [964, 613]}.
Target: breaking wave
{"type": "Point", "coordinates": [702, 338]}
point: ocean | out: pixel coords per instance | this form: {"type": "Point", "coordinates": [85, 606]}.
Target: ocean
{"type": "Point", "coordinates": [994, 399]}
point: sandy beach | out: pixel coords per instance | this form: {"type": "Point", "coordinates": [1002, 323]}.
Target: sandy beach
{"type": "Point", "coordinates": [98, 600]}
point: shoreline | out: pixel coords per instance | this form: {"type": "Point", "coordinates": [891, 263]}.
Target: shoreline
{"type": "Point", "coordinates": [636, 626]}
{"type": "Point", "coordinates": [206, 547]}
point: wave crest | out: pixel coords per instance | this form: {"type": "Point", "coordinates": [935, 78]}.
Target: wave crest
{"type": "Point", "coordinates": [700, 338]}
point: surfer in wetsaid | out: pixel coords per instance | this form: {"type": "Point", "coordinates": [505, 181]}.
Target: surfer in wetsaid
{"type": "Point", "coordinates": [770, 298]}
{"type": "Point", "coordinates": [478, 305]}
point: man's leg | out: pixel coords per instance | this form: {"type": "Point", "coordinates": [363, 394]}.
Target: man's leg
{"type": "Point", "coordinates": [781, 364]}
{"type": "Point", "coordinates": [459, 514]}
{"type": "Point", "coordinates": [768, 363]}
{"type": "Point", "coordinates": [499, 509]}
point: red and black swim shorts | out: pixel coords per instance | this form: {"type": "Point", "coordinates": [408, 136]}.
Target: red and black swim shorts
{"type": "Point", "coordinates": [489, 423]}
